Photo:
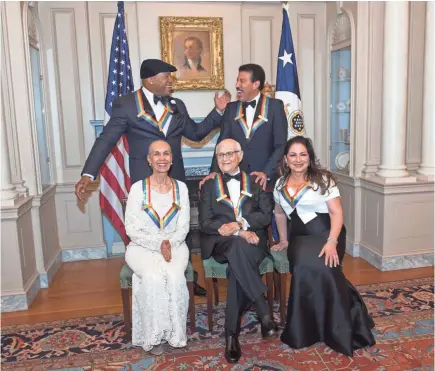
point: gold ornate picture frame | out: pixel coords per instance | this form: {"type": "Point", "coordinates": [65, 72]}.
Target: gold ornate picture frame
{"type": "Point", "coordinates": [195, 46]}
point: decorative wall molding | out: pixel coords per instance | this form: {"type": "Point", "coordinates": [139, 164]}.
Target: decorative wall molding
{"type": "Point", "coordinates": [32, 29]}
{"type": "Point", "coordinates": [405, 188]}
{"type": "Point", "coordinates": [417, 13]}
{"type": "Point", "coordinates": [374, 93]}
{"type": "Point", "coordinates": [342, 30]}
{"type": "Point", "coordinates": [13, 213]}
{"type": "Point", "coordinates": [67, 72]}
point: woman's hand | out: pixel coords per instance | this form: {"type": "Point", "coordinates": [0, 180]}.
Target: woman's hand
{"type": "Point", "coordinates": [330, 252]}
{"type": "Point", "coordinates": [165, 248]}
{"type": "Point", "coordinates": [281, 245]}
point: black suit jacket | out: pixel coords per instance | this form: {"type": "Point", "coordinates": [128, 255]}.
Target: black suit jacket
{"type": "Point", "coordinates": [257, 211]}
{"type": "Point", "coordinates": [140, 134]}
{"type": "Point", "coordinates": [265, 147]}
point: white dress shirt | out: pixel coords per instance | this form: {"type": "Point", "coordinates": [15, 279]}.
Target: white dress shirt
{"type": "Point", "coordinates": [250, 111]}
{"type": "Point", "coordinates": [234, 192]}
{"type": "Point", "coordinates": [158, 108]}
{"type": "Point", "coordinates": [311, 202]}
{"type": "Point", "coordinates": [193, 65]}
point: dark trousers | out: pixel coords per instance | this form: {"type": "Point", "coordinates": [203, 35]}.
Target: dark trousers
{"type": "Point", "coordinates": [244, 281]}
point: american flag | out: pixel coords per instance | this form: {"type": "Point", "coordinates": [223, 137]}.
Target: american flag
{"type": "Point", "coordinates": [115, 180]}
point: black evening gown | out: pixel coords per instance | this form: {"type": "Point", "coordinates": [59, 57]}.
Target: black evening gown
{"type": "Point", "coordinates": [323, 305]}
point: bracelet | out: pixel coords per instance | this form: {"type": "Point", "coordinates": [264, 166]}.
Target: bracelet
{"type": "Point", "coordinates": [332, 239]}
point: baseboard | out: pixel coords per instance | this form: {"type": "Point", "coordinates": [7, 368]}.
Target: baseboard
{"type": "Point", "coordinates": [370, 256]}
{"type": "Point", "coordinates": [46, 278]}
{"type": "Point", "coordinates": [391, 263]}
{"type": "Point", "coordinates": [352, 249]}
{"type": "Point", "coordinates": [84, 253]}
{"type": "Point", "coordinates": [18, 302]}
{"type": "Point", "coordinates": [407, 261]}
{"type": "Point", "coordinates": [118, 248]}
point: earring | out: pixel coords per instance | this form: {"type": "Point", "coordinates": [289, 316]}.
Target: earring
{"type": "Point", "coordinates": [149, 164]}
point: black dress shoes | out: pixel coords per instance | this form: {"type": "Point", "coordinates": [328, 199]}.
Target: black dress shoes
{"type": "Point", "coordinates": [268, 327]}
{"type": "Point", "coordinates": [198, 290]}
{"type": "Point", "coordinates": [233, 352]}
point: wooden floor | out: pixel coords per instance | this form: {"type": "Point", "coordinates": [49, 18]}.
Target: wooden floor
{"type": "Point", "coordinates": [89, 288]}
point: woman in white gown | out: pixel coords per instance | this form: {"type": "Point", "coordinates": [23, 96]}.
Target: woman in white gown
{"type": "Point", "coordinates": [157, 221]}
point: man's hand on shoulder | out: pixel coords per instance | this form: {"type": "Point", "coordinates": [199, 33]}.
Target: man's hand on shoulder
{"type": "Point", "coordinates": [209, 176]}
{"type": "Point", "coordinates": [261, 177]}
{"type": "Point", "coordinates": [82, 186]}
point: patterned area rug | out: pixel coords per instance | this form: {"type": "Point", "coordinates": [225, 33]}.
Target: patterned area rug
{"type": "Point", "coordinates": [403, 313]}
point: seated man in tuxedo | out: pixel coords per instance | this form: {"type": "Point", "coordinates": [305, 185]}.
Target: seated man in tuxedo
{"type": "Point", "coordinates": [234, 213]}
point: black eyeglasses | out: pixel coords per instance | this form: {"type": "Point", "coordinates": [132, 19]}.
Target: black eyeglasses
{"type": "Point", "coordinates": [230, 155]}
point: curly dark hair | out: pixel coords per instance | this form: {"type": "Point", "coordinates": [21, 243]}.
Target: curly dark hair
{"type": "Point", "coordinates": [320, 176]}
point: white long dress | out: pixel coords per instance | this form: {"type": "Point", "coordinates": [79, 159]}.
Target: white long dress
{"type": "Point", "coordinates": [160, 295]}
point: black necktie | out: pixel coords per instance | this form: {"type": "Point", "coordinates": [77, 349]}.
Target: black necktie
{"type": "Point", "coordinates": [161, 98]}
{"type": "Point", "coordinates": [252, 103]}
{"type": "Point", "coordinates": [227, 177]}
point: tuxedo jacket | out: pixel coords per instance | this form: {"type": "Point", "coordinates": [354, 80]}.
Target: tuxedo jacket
{"type": "Point", "coordinates": [257, 210]}
{"type": "Point", "coordinates": [264, 148]}
{"type": "Point", "coordinates": [140, 134]}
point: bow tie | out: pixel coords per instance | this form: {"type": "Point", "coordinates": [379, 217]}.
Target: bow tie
{"type": "Point", "coordinates": [252, 103]}
{"type": "Point", "coordinates": [227, 177]}
{"type": "Point", "coordinates": [161, 98]}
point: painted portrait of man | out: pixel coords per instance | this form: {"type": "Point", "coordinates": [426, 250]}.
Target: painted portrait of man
{"type": "Point", "coordinates": [192, 54]}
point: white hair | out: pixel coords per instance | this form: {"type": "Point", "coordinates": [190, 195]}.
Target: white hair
{"type": "Point", "coordinates": [238, 146]}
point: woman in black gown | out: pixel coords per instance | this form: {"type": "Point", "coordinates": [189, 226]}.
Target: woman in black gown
{"type": "Point", "coordinates": [323, 305]}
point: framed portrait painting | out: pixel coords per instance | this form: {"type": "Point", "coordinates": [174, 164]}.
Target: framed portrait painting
{"type": "Point", "coordinates": [194, 46]}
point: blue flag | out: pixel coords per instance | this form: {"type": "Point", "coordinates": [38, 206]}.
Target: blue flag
{"type": "Point", "coordinates": [120, 80]}
{"type": "Point", "coordinates": [287, 82]}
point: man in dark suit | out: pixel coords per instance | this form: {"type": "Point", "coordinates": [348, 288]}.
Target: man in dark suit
{"type": "Point", "coordinates": [258, 123]}
{"type": "Point", "coordinates": [234, 213]}
{"type": "Point", "coordinates": [144, 116]}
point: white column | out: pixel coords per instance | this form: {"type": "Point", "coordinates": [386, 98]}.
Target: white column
{"type": "Point", "coordinates": [394, 92]}
{"type": "Point", "coordinates": [426, 168]}
{"type": "Point", "coordinates": [7, 192]}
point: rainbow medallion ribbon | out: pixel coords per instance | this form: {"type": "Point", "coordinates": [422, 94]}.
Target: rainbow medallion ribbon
{"type": "Point", "coordinates": [245, 192]}
{"type": "Point", "coordinates": [151, 119]}
{"type": "Point", "coordinates": [262, 117]}
{"type": "Point", "coordinates": [147, 206]}
{"type": "Point", "coordinates": [293, 201]}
